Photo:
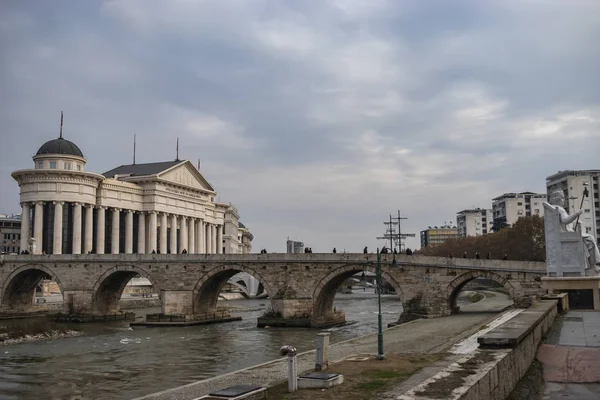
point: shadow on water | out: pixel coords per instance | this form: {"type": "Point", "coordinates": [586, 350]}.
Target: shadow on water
{"type": "Point", "coordinates": [112, 361]}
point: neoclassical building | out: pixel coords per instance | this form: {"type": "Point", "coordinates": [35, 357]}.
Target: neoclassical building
{"type": "Point", "coordinates": [162, 207]}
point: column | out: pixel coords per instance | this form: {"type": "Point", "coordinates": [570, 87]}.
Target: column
{"type": "Point", "coordinates": [25, 228]}
{"type": "Point", "coordinates": [213, 238]}
{"type": "Point", "coordinates": [183, 235]}
{"type": "Point", "coordinates": [76, 228]}
{"type": "Point", "coordinates": [89, 229]}
{"type": "Point", "coordinates": [141, 239]}
{"type": "Point", "coordinates": [114, 235]}
{"type": "Point", "coordinates": [173, 247]}
{"type": "Point", "coordinates": [38, 228]}
{"type": "Point", "coordinates": [163, 233]}
{"type": "Point", "coordinates": [128, 231]}
{"type": "Point", "coordinates": [58, 227]}
{"type": "Point", "coordinates": [208, 240]}
{"type": "Point", "coordinates": [152, 225]}
{"type": "Point", "coordinates": [200, 237]}
{"type": "Point", "coordinates": [192, 236]}
{"type": "Point", "coordinates": [219, 239]}
{"type": "Point", "coordinates": [100, 225]}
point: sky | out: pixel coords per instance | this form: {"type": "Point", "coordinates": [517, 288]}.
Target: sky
{"type": "Point", "coordinates": [316, 118]}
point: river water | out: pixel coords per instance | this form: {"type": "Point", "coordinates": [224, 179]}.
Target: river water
{"type": "Point", "coordinates": [112, 361]}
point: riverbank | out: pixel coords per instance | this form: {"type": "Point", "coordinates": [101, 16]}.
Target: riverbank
{"type": "Point", "coordinates": [424, 336]}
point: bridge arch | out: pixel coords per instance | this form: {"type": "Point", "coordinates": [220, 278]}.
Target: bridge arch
{"type": "Point", "coordinates": [459, 282]}
{"type": "Point", "coordinates": [326, 289]}
{"type": "Point", "coordinates": [109, 287]}
{"type": "Point", "coordinates": [206, 291]}
{"type": "Point", "coordinates": [19, 286]}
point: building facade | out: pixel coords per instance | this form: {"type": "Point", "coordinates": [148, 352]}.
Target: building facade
{"type": "Point", "coordinates": [509, 207]}
{"type": "Point", "coordinates": [573, 184]}
{"type": "Point", "coordinates": [294, 247]}
{"type": "Point", "coordinates": [162, 207]}
{"type": "Point", "coordinates": [474, 222]}
{"type": "Point", "coordinates": [236, 237]}
{"type": "Point", "coordinates": [10, 234]}
{"type": "Point", "coordinates": [436, 235]}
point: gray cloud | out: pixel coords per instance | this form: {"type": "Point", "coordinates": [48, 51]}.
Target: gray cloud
{"type": "Point", "coordinates": [315, 118]}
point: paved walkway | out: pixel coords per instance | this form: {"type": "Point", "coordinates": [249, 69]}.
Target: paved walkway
{"type": "Point", "coordinates": [571, 357]}
{"type": "Point", "coordinates": [420, 336]}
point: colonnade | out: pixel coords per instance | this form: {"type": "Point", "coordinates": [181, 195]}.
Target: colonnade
{"type": "Point", "coordinates": [186, 234]}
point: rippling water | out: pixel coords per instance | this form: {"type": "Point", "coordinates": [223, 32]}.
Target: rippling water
{"type": "Point", "coordinates": [112, 361]}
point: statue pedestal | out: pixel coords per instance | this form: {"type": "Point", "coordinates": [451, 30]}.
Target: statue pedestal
{"type": "Point", "coordinates": [574, 285]}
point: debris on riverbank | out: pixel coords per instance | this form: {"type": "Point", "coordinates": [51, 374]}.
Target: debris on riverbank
{"type": "Point", "coordinates": [33, 331]}
{"type": "Point", "coordinates": [51, 335]}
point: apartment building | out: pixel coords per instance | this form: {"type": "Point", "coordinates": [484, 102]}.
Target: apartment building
{"type": "Point", "coordinates": [474, 222]}
{"type": "Point", "coordinates": [573, 183]}
{"type": "Point", "coordinates": [436, 235]}
{"type": "Point", "coordinates": [509, 207]}
{"type": "Point", "coordinates": [10, 233]}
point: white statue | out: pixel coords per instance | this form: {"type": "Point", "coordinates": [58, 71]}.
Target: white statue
{"type": "Point", "coordinates": [557, 200]}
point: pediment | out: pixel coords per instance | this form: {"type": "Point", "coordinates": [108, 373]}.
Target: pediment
{"type": "Point", "coordinates": [186, 174]}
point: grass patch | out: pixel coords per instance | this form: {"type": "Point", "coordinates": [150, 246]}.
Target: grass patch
{"type": "Point", "coordinates": [362, 379]}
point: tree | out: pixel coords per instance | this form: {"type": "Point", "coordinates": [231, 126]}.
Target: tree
{"type": "Point", "coordinates": [499, 224]}
{"type": "Point", "coordinates": [524, 241]}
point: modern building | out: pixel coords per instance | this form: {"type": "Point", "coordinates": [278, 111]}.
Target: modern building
{"type": "Point", "coordinates": [10, 233]}
{"type": "Point", "coordinates": [509, 207]}
{"type": "Point", "coordinates": [294, 247]}
{"type": "Point", "coordinates": [573, 184]}
{"type": "Point", "coordinates": [160, 207]}
{"type": "Point", "coordinates": [436, 235]}
{"type": "Point", "coordinates": [474, 222]}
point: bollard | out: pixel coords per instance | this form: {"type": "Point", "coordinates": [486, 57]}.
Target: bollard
{"type": "Point", "coordinates": [290, 352]}
{"type": "Point", "coordinates": [322, 361]}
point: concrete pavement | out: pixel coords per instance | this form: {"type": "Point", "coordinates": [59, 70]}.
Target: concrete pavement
{"type": "Point", "coordinates": [571, 357]}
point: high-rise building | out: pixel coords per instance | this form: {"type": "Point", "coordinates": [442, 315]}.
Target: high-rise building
{"type": "Point", "coordinates": [10, 233]}
{"type": "Point", "coordinates": [573, 184]}
{"type": "Point", "coordinates": [509, 207]}
{"type": "Point", "coordinates": [294, 247]}
{"type": "Point", "coordinates": [474, 222]}
{"type": "Point", "coordinates": [436, 235]}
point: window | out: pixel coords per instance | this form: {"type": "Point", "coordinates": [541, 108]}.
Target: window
{"type": "Point", "coordinates": [588, 229]}
{"type": "Point", "coordinates": [52, 164]}
{"type": "Point", "coordinates": [520, 212]}
{"type": "Point", "coordinates": [39, 165]}
{"type": "Point", "coordinates": [587, 210]}
{"type": "Point", "coordinates": [78, 167]}
{"type": "Point", "coordinates": [536, 203]}
{"type": "Point", "coordinates": [537, 211]}
{"type": "Point", "coordinates": [67, 165]}
{"type": "Point", "coordinates": [520, 203]}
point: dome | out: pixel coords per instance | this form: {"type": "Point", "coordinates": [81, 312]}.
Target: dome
{"type": "Point", "coordinates": [60, 146]}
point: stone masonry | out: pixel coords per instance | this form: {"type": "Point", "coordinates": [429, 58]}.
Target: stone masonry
{"type": "Point", "coordinates": [299, 285]}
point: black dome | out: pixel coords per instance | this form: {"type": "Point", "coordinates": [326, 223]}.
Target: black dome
{"type": "Point", "coordinates": [60, 146]}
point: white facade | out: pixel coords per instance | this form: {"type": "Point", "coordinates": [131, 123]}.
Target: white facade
{"type": "Point", "coordinates": [573, 184]}
{"type": "Point", "coordinates": [165, 207]}
{"type": "Point", "coordinates": [236, 237]}
{"type": "Point", "coordinates": [474, 222]}
{"type": "Point", "coordinates": [511, 206]}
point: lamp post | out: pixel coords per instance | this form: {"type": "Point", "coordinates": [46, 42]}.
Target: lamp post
{"type": "Point", "coordinates": [380, 355]}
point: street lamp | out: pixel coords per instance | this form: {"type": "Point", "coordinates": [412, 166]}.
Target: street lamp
{"type": "Point", "coordinates": [380, 355]}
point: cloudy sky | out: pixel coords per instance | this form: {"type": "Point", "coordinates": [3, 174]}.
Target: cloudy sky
{"type": "Point", "coordinates": [316, 118]}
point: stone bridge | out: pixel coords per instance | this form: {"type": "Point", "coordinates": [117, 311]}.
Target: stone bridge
{"type": "Point", "coordinates": [299, 285]}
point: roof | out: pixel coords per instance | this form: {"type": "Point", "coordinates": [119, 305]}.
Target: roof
{"type": "Point", "coordinates": [569, 172]}
{"type": "Point", "coordinates": [142, 169]}
{"type": "Point", "coordinates": [519, 195]}
{"type": "Point", "coordinates": [60, 146]}
{"type": "Point", "coordinates": [241, 225]}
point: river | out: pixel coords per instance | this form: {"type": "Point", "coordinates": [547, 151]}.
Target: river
{"type": "Point", "coordinates": [112, 361]}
